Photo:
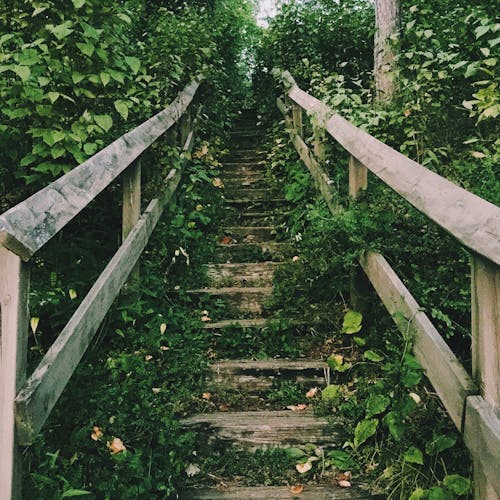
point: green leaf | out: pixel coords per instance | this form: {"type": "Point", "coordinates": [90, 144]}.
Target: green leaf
{"type": "Point", "coordinates": [75, 493]}
{"type": "Point", "coordinates": [372, 356]}
{"type": "Point", "coordinates": [117, 75]}
{"type": "Point", "coordinates": [57, 151]}
{"type": "Point", "coordinates": [53, 96]}
{"type": "Point", "coordinates": [105, 78]}
{"type": "Point", "coordinates": [38, 10]}
{"type": "Point", "coordinates": [90, 148]}
{"type": "Point", "coordinates": [437, 493]}
{"type": "Point", "coordinates": [86, 48]}
{"type": "Point", "coordinates": [352, 322]}
{"type": "Point", "coordinates": [125, 18]}
{"type": "Point", "coordinates": [482, 30]}
{"type": "Point", "coordinates": [414, 456]}
{"type": "Point", "coordinates": [122, 108]}
{"type": "Point", "coordinates": [419, 494]}
{"type": "Point", "coordinates": [23, 72]}
{"type": "Point", "coordinates": [90, 31]}
{"type": "Point", "coordinates": [78, 4]}
{"type": "Point", "coordinates": [359, 341]}
{"type": "Point", "coordinates": [295, 453]}
{"type": "Point", "coordinates": [411, 362]}
{"type": "Point", "coordinates": [77, 77]}
{"type": "Point", "coordinates": [411, 378]}
{"type": "Point", "coordinates": [439, 443]}
{"type": "Point", "coordinates": [330, 393]}
{"type": "Point", "coordinates": [341, 459]}
{"type": "Point", "coordinates": [395, 424]}
{"type": "Point", "coordinates": [457, 484]}
{"type": "Point", "coordinates": [61, 31]}
{"type": "Point", "coordinates": [376, 404]}
{"type": "Point", "coordinates": [51, 137]}
{"type": "Point", "coordinates": [134, 64]}
{"type": "Point", "coordinates": [364, 431]}
{"type": "Point", "coordinates": [104, 121]}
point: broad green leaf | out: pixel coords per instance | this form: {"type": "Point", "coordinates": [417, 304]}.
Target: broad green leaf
{"type": "Point", "coordinates": [122, 108]}
{"type": "Point", "coordinates": [481, 30]}
{"type": "Point", "coordinates": [419, 494]}
{"type": "Point", "coordinates": [352, 322]}
{"type": "Point", "coordinates": [125, 18]}
{"type": "Point", "coordinates": [23, 72]}
{"type": "Point", "coordinates": [439, 443]}
{"type": "Point", "coordinates": [43, 81]}
{"type": "Point", "coordinates": [103, 56]}
{"type": "Point", "coordinates": [376, 404]}
{"type": "Point", "coordinates": [395, 424]}
{"type": "Point", "coordinates": [57, 151]}
{"type": "Point", "coordinates": [51, 137]}
{"type": "Point", "coordinates": [104, 121]}
{"type": "Point", "coordinates": [372, 356]}
{"type": "Point", "coordinates": [485, 51]}
{"type": "Point", "coordinates": [105, 78]}
{"type": "Point", "coordinates": [90, 148]}
{"type": "Point", "coordinates": [38, 10]}
{"type": "Point", "coordinates": [364, 431]}
{"type": "Point", "coordinates": [86, 48]}
{"type": "Point", "coordinates": [330, 393]}
{"type": "Point", "coordinates": [75, 493]}
{"type": "Point", "coordinates": [359, 341]}
{"type": "Point", "coordinates": [414, 456]}
{"type": "Point", "coordinates": [206, 51]}
{"type": "Point", "coordinates": [295, 453]}
{"type": "Point", "coordinates": [134, 64]}
{"type": "Point", "coordinates": [411, 362]}
{"type": "Point", "coordinates": [61, 31]}
{"type": "Point", "coordinates": [472, 69]}
{"type": "Point", "coordinates": [457, 484]}
{"type": "Point", "coordinates": [341, 459]}
{"type": "Point", "coordinates": [117, 75]}
{"type": "Point", "coordinates": [411, 378]}
{"type": "Point", "coordinates": [78, 4]}
{"type": "Point", "coordinates": [77, 77]}
{"type": "Point", "coordinates": [53, 96]}
{"type": "Point", "coordinates": [437, 493]}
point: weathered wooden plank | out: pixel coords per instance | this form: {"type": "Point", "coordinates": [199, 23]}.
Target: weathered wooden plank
{"type": "Point", "coordinates": [25, 228]}
{"type": "Point", "coordinates": [14, 289]}
{"type": "Point", "coordinates": [473, 221]}
{"type": "Point", "coordinates": [259, 429]}
{"type": "Point", "coordinates": [320, 177]}
{"type": "Point", "coordinates": [446, 374]}
{"type": "Point", "coordinates": [297, 119]}
{"type": "Point", "coordinates": [358, 177]}
{"type": "Point", "coordinates": [311, 492]}
{"type": "Point", "coordinates": [248, 273]}
{"type": "Point", "coordinates": [482, 437]}
{"type": "Point", "coordinates": [42, 390]}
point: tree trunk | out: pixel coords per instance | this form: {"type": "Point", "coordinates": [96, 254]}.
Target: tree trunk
{"type": "Point", "coordinates": [387, 24]}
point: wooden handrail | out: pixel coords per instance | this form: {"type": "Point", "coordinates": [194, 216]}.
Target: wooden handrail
{"type": "Point", "coordinates": [28, 226]}
{"type": "Point", "coordinates": [474, 221]}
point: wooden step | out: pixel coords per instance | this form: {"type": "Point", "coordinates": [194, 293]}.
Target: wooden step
{"type": "Point", "coordinates": [256, 204]}
{"type": "Point", "coordinates": [247, 182]}
{"type": "Point", "coordinates": [249, 193]}
{"type": "Point", "coordinates": [249, 234]}
{"type": "Point", "coordinates": [258, 376]}
{"type": "Point", "coordinates": [240, 299]}
{"type": "Point", "coordinates": [243, 273]}
{"type": "Point", "coordinates": [236, 323]}
{"type": "Point", "coordinates": [310, 492]}
{"type": "Point", "coordinates": [254, 252]}
{"type": "Point", "coordinates": [231, 170]}
{"type": "Point", "coordinates": [250, 430]}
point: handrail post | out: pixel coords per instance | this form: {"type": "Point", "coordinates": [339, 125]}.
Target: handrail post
{"type": "Point", "coordinates": [319, 144]}
{"type": "Point", "coordinates": [131, 210]}
{"type": "Point", "coordinates": [184, 127]}
{"type": "Point", "coordinates": [297, 119]}
{"type": "Point", "coordinates": [485, 309]}
{"type": "Point", "coordinates": [14, 290]}
{"type": "Point", "coordinates": [358, 283]}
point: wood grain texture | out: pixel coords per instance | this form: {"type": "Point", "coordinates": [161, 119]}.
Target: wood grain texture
{"type": "Point", "coordinates": [14, 290]}
{"type": "Point", "coordinates": [251, 430]}
{"type": "Point", "coordinates": [258, 272]}
{"type": "Point", "coordinates": [482, 437]}
{"type": "Point", "coordinates": [442, 368]}
{"type": "Point", "coordinates": [311, 492]}
{"type": "Point", "coordinates": [473, 221]}
{"type": "Point", "coordinates": [42, 390]}
{"type": "Point", "coordinates": [25, 228]}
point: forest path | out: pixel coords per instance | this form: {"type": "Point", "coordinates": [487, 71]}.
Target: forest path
{"type": "Point", "coordinates": [249, 251]}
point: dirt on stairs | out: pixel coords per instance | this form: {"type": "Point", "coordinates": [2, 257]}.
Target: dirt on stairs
{"type": "Point", "coordinates": [249, 252]}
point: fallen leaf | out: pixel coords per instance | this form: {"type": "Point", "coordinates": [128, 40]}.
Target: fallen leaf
{"type": "Point", "coordinates": [345, 484]}
{"type": "Point", "coordinates": [116, 446]}
{"type": "Point", "coordinates": [72, 294]}
{"type": "Point", "coordinates": [207, 396]}
{"type": "Point", "coordinates": [205, 319]}
{"type": "Point", "coordinates": [156, 390]}
{"type": "Point", "coordinates": [148, 357]}
{"type": "Point", "coordinates": [34, 324]}
{"type": "Point", "coordinates": [226, 240]}
{"type": "Point", "coordinates": [415, 397]}
{"type": "Point", "coordinates": [303, 468]}
{"type": "Point", "coordinates": [163, 328]}
{"type": "Point", "coordinates": [295, 258]}
{"type": "Point", "coordinates": [199, 208]}
{"type": "Point", "coordinates": [218, 183]}
{"type": "Point", "coordinates": [96, 433]}
{"type": "Point", "coordinates": [301, 407]}
{"type": "Point", "coordinates": [192, 470]}
{"type": "Point", "coordinates": [164, 348]}
{"type": "Point", "coordinates": [297, 489]}
{"type": "Point", "coordinates": [407, 112]}
{"type": "Point", "coordinates": [344, 476]}
{"type": "Point", "coordinates": [312, 392]}
{"type": "Point", "coordinates": [223, 407]}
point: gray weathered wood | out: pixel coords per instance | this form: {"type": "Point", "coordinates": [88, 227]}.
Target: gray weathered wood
{"type": "Point", "coordinates": [43, 388]}
{"type": "Point", "coordinates": [473, 221]}
{"type": "Point", "coordinates": [358, 177]}
{"type": "Point", "coordinates": [442, 368]}
{"type": "Point", "coordinates": [258, 376]}
{"type": "Point", "coordinates": [482, 437]}
{"type": "Point", "coordinates": [248, 273]}
{"type": "Point", "coordinates": [260, 429]}
{"type": "Point", "coordinates": [14, 290]}
{"type": "Point", "coordinates": [25, 228]}
{"type": "Point", "coordinates": [485, 298]}
{"type": "Point", "coordinates": [311, 492]}
{"type": "Point", "coordinates": [297, 119]}
{"type": "Point", "coordinates": [320, 177]}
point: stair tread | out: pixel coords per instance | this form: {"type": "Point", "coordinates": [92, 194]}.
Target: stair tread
{"type": "Point", "coordinates": [310, 492]}
{"type": "Point", "coordinates": [242, 323]}
{"type": "Point", "coordinates": [269, 364]}
{"type": "Point", "coordinates": [234, 290]}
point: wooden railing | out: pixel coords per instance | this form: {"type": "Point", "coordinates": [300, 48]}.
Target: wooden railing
{"type": "Point", "coordinates": [25, 403]}
{"type": "Point", "coordinates": [472, 402]}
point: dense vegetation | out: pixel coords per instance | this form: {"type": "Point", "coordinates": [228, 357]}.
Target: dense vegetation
{"type": "Point", "coordinates": [76, 74]}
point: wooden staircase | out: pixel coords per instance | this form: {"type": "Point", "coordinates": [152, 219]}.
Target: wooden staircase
{"type": "Point", "coordinates": [245, 285]}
